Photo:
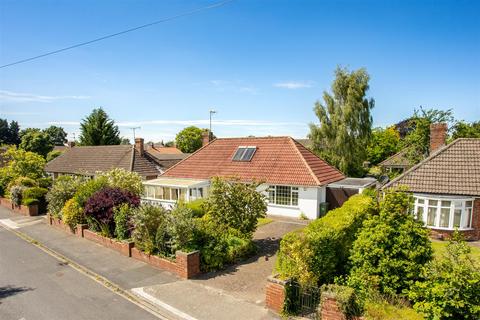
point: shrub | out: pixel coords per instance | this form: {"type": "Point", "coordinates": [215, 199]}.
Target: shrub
{"type": "Point", "coordinates": [148, 219]}
{"type": "Point", "coordinates": [30, 202]}
{"type": "Point", "coordinates": [197, 207]}
{"type": "Point", "coordinates": [99, 208]}
{"type": "Point", "coordinates": [16, 194]}
{"type": "Point", "coordinates": [327, 242]}
{"type": "Point", "coordinates": [21, 163]}
{"type": "Point", "coordinates": [181, 226]}
{"type": "Point", "coordinates": [63, 189]}
{"type": "Point", "coordinates": [24, 182]}
{"type": "Point", "coordinates": [122, 215]}
{"type": "Point", "coordinates": [347, 301]}
{"type": "Point", "coordinates": [87, 189]}
{"type": "Point", "coordinates": [451, 289]}
{"type": "Point", "coordinates": [35, 193]}
{"type": "Point", "coordinates": [235, 204]}
{"type": "Point", "coordinates": [45, 182]}
{"type": "Point", "coordinates": [391, 248]}
{"type": "Point", "coordinates": [53, 154]}
{"type": "Point", "coordinates": [72, 214]}
{"type": "Point", "coordinates": [122, 179]}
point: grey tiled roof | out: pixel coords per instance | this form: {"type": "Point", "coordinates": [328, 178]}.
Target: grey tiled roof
{"type": "Point", "coordinates": [453, 169]}
{"type": "Point", "coordinates": [92, 159]}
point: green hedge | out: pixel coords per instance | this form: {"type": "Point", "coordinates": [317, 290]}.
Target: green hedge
{"type": "Point", "coordinates": [320, 252]}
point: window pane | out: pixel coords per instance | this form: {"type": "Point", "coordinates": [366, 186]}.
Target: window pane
{"type": "Point", "coordinates": [166, 193]}
{"type": "Point", "coordinates": [433, 203]}
{"type": "Point", "coordinates": [468, 204]}
{"type": "Point", "coordinates": [468, 218]}
{"type": "Point", "coordinates": [158, 193]}
{"type": "Point", "coordinates": [431, 216]}
{"type": "Point", "coordinates": [420, 213]}
{"type": "Point", "coordinates": [271, 194]}
{"type": "Point", "coordinates": [181, 195]}
{"type": "Point", "coordinates": [174, 194]}
{"type": "Point", "coordinates": [444, 217]}
{"type": "Point", "coordinates": [294, 196]}
{"type": "Point", "coordinates": [420, 201]}
{"type": "Point", "coordinates": [457, 216]}
{"type": "Point", "coordinates": [283, 195]}
{"type": "Point", "coordinates": [200, 192]}
{"type": "Point", "coordinates": [247, 156]}
{"type": "Point", "coordinates": [446, 203]}
{"type": "Point", "coordinates": [239, 154]}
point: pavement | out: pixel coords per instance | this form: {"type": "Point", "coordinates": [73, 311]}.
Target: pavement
{"type": "Point", "coordinates": [34, 285]}
{"type": "Point", "coordinates": [236, 293]}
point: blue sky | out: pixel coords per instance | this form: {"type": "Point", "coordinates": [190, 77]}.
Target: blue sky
{"type": "Point", "coordinates": [261, 63]}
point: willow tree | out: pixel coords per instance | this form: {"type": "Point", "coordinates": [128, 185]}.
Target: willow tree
{"type": "Point", "coordinates": [98, 129]}
{"type": "Point", "coordinates": [345, 125]}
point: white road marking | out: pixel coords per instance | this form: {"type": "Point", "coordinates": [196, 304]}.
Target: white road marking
{"type": "Point", "coordinates": [140, 292]}
{"type": "Point", "coordinates": [9, 224]}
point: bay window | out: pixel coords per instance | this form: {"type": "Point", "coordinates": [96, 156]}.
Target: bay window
{"type": "Point", "coordinates": [283, 195]}
{"type": "Point", "coordinates": [444, 213]}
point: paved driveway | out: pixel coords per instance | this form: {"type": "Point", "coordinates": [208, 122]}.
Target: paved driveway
{"type": "Point", "coordinates": [247, 280]}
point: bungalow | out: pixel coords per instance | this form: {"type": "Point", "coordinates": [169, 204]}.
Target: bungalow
{"type": "Point", "coordinates": [294, 179]}
{"type": "Point", "coordinates": [89, 160]}
{"type": "Point", "coordinates": [446, 185]}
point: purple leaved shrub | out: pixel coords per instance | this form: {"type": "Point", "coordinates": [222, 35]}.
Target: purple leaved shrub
{"type": "Point", "coordinates": [99, 208]}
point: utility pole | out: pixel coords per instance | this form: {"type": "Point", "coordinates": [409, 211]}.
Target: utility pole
{"type": "Point", "coordinates": [210, 132]}
{"type": "Point", "coordinates": [133, 129]}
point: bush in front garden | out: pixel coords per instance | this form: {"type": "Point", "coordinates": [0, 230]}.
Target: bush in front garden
{"type": "Point", "coordinates": [327, 242]}
{"type": "Point", "coordinates": [72, 214]}
{"type": "Point", "coordinates": [451, 289]}
{"type": "Point", "coordinates": [148, 219]}
{"type": "Point", "coordinates": [99, 208]}
{"type": "Point", "coordinates": [123, 179]}
{"type": "Point", "coordinates": [63, 189]}
{"type": "Point", "coordinates": [16, 194]}
{"type": "Point", "coordinates": [391, 248]}
{"type": "Point", "coordinates": [34, 195]}
{"type": "Point", "coordinates": [122, 215]}
{"type": "Point", "coordinates": [88, 188]}
{"type": "Point", "coordinates": [235, 204]}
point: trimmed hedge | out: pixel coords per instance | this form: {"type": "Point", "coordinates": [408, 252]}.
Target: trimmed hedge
{"type": "Point", "coordinates": [320, 252]}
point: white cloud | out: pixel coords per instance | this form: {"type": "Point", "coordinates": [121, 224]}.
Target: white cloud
{"type": "Point", "coordinates": [292, 85]}
{"type": "Point", "coordinates": [9, 96]}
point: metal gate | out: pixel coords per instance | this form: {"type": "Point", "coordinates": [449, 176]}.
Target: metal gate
{"type": "Point", "coordinates": [302, 300]}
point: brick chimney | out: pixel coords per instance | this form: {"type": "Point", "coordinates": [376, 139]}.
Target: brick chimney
{"type": "Point", "coordinates": [139, 145]}
{"type": "Point", "coordinates": [205, 137]}
{"type": "Point", "coordinates": [438, 136]}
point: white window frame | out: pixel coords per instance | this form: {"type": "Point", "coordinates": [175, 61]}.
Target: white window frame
{"type": "Point", "coordinates": [293, 189]}
{"type": "Point", "coordinates": [439, 206]}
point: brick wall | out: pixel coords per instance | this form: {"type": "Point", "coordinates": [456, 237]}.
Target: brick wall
{"type": "Point", "coordinates": [187, 264]}
{"type": "Point", "coordinates": [275, 294]}
{"type": "Point", "coordinates": [329, 310]}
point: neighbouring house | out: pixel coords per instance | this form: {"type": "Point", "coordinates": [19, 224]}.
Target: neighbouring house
{"type": "Point", "coordinates": [397, 163]}
{"type": "Point", "coordinates": [446, 185]}
{"type": "Point", "coordinates": [293, 178]}
{"type": "Point", "coordinates": [338, 192]}
{"type": "Point", "coordinates": [90, 160]}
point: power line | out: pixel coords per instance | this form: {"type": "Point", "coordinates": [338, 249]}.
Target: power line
{"type": "Point", "coordinates": [180, 15]}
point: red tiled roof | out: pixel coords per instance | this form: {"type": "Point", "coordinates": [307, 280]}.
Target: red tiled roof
{"type": "Point", "coordinates": [277, 160]}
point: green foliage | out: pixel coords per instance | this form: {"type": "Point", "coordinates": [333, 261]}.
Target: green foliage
{"type": "Point", "coordinates": [197, 207]}
{"type": "Point", "coordinates": [36, 141]}
{"type": "Point", "coordinates": [451, 289]}
{"type": "Point", "coordinates": [390, 249]}
{"type": "Point", "coordinates": [321, 252]}
{"type": "Point", "coordinates": [466, 130]}
{"type": "Point", "coordinates": [29, 202]}
{"type": "Point", "coordinates": [72, 214]}
{"type": "Point", "coordinates": [189, 139]}
{"type": "Point", "coordinates": [22, 163]}
{"type": "Point", "coordinates": [53, 154]}
{"type": "Point", "coordinates": [63, 189]}
{"type": "Point", "coordinates": [418, 139]}
{"type": "Point", "coordinates": [45, 182]}
{"type": "Point", "coordinates": [24, 182]}
{"type": "Point", "coordinates": [346, 297]}
{"type": "Point", "coordinates": [16, 194]}
{"type": "Point", "coordinates": [383, 310]}
{"type": "Point", "coordinates": [345, 122]}
{"type": "Point", "coordinates": [122, 216]}
{"type": "Point", "coordinates": [123, 179]}
{"type": "Point", "coordinates": [236, 205]}
{"type": "Point", "coordinates": [219, 245]}
{"type": "Point", "coordinates": [181, 226]}
{"type": "Point", "coordinates": [88, 188]}
{"type": "Point", "coordinates": [57, 135]}
{"type": "Point", "coordinates": [147, 220]}
{"type": "Point", "coordinates": [98, 129]}
{"type": "Point", "coordinates": [383, 144]}
{"type": "Point", "coordinates": [9, 134]}
{"type": "Point", "coordinates": [34, 195]}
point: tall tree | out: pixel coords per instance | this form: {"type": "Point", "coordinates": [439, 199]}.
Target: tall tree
{"type": "Point", "coordinates": [463, 129]}
{"type": "Point", "coordinates": [418, 139]}
{"type": "Point", "coordinates": [189, 139]}
{"type": "Point", "coordinates": [383, 144]}
{"type": "Point", "coordinates": [36, 141]}
{"type": "Point", "coordinates": [9, 134]}
{"type": "Point", "coordinates": [98, 129]}
{"type": "Point", "coordinates": [4, 131]}
{"type": "Point", "coordinates": [57, 135]}
{"type": "Point", "coordinates": [345, 122]}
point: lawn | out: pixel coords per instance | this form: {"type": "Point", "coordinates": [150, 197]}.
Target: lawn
{"type": "Point", "coordinates": [439, 248]}
{"type": "Point", "coordinates": [263, 221]}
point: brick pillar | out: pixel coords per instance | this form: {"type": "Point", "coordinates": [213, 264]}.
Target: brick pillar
{"type": "Point", "coordinates": [438, 136]}
{"type": "Point", "coordinates": [187, 264]}
{"type": "Point", "coordinates": [79, 229]}
{"type": "Point", "coordinates": [275, 294]}
{"type": "Point", "coordinates": [329, 309]}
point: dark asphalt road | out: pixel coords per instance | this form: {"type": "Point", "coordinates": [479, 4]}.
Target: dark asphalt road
{"type": "Point", "coordinates": [36, 286]}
